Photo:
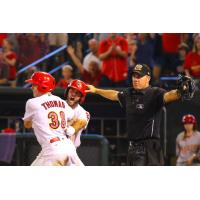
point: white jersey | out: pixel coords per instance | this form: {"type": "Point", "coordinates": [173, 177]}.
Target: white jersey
{"type": "Point", "coordinates": [49, 115]}
{"type": "Point", "coordinates": [186, 147]}
{"type": "Point", "coordinates": [80, 113]}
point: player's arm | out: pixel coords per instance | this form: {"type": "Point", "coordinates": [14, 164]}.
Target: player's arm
{"type": "Point", "coordinates": [74, 127]}
{"type": "Point", "coordinates": [79, 124]}
{"type": "Point", "coordinates": [185, 91]}
{"type": "Point", "coordinates": [108, 94]}
{"type": "Point", "coordinates": [28, 115]}
{"type": "Point", "coordinates": [27, 124]}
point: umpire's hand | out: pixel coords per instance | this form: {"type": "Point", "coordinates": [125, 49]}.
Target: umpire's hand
{"type": "Point", "coordinates": [91, 89]}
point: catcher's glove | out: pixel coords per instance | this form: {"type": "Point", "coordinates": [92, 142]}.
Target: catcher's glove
{"type": "Point", "coordinates": [186, 87]}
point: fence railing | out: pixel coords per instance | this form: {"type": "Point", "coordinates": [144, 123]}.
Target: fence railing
{"type": "Point", "coordinates": [42, 59]}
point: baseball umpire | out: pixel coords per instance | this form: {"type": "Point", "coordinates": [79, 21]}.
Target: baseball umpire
{"type": "Point", "coordinates": [143, 106]}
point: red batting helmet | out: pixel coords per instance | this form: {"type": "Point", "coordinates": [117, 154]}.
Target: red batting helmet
{"type": "Point", "coordinates": [78, 85]}
{"type": "Point", "coordinates": [190, 119]}
{"type": "Point", "coordinates": [44, 81]}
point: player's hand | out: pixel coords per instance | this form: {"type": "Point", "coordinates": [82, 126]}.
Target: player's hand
{"type": "Point", "coordinates": [91, 89]}
{"type": "Point", "coordinates": [69, 130]}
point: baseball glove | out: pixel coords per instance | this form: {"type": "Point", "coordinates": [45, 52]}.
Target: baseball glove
{"type": "Point", "coordinates": [186, 87]}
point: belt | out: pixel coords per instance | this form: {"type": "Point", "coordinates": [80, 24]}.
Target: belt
{"type": "Point", "coordinates": [133, 143]}
{"type": "Point", "coordinates": [142, 141]}
{"type": "Point", "coordinates": [56, 139]}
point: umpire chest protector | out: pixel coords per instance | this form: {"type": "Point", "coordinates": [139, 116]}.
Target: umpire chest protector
{"type": "Point", "coordinates": [143, 111]}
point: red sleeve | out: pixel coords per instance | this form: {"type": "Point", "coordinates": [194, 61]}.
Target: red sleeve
{"type": "Point", "coordinates": [124, 45]}
{"type": "Point", "coordinates": [187, 63]}
{"type": "Point", "coordinates": [102, 47]}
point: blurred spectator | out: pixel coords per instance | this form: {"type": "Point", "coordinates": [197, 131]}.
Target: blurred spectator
{"type": "Point", "coordinates": [67, 72]}
{"type": "Point", "coordinates": [9, 57]}
{"type": "Point", "coordinates": [158, 59]}
{"type": "Point", "coordinates": [44, 44]}
{"type": "Point", "coordinates": [183, 50]}
{"type": "Point", "coordinates": [90, 76]}
{"type": "Point", "coordinates": [188, 141]}
{"type": "Point", "coordinates": [147, 54]}
{"type": "Point", "coordinates": [145, 50]}
{"type": "Point", "coordinates": [113, 52]}
{"type": "Point", "coordinates": [44, 49]}
{"type": "Point", "coordinates": [79, 50]}
{"type": "Point", "coordinates": [192, 61]}
{"type": "Point", "coordinates": [13, 39]}
{"type": "Point", "coordinates": [2, 37]}
{"type": "Point", "coordinates": [93, 55]}
{"type": "Point", "coordinates": [20, 82]}
{"type": "Point", "coordinates": [29, 48]}
{"type": "Point", "coordinates": [4, 73]}
{"type": "Point", "coordinates": [170, 43]}
{"type": "Point", "coordinates": [57, 40]}
{"type": "Point", "coordinates": [132, 48]}
{"type": "Point", "coordinates": [101, 36]}
{"type": "Point", "coordinates": [187, 39]}
{"type": "Point", "coordinates": [131, 36]}
{"type": "Point", "coordinates": [79, 42]}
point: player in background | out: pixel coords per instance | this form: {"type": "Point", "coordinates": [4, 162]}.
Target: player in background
{"type": "Point", "coordinates": [75, 94]}
{"type": "Point", "coordinates": [188, 141]}
{"type": "Point", "coordinates": [48, 114]}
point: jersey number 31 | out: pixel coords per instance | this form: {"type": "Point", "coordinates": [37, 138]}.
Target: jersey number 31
{"type": "Point", "coordinates": [55, 121]}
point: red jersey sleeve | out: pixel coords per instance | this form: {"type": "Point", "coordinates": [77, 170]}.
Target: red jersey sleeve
{"type": "Point", "coordinates": [102, 47]}
{"type": "Point", "coordinates": [124, 45]}
{"type": "Point", "coordinates": [187, 63]}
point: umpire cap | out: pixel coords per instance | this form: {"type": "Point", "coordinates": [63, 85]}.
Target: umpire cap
{"type": "Point", "coordinates": [142, 70]}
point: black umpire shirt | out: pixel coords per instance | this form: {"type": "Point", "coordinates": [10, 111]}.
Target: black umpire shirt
{"type": "Point", "coordinates": [143, 111]}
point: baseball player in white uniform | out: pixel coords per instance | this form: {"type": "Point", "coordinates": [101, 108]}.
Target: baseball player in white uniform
{"type": "Point", "coordinates": [75, 94]}
{"type": "Point", "coordinates": [48, 114]}
{"type": "Point", "coordinates": [188, 141]}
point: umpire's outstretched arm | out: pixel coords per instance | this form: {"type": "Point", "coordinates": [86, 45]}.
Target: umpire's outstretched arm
{"type": "Point", "coordinates": [171, 96]}
{"type": "Point", "coordinates": [108, 94]}
{"type": "Point", "coordinates": [168, 97]}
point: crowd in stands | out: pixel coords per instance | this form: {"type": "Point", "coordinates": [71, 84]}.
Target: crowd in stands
{"type": "Point", "coordinates": [103, 59]}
